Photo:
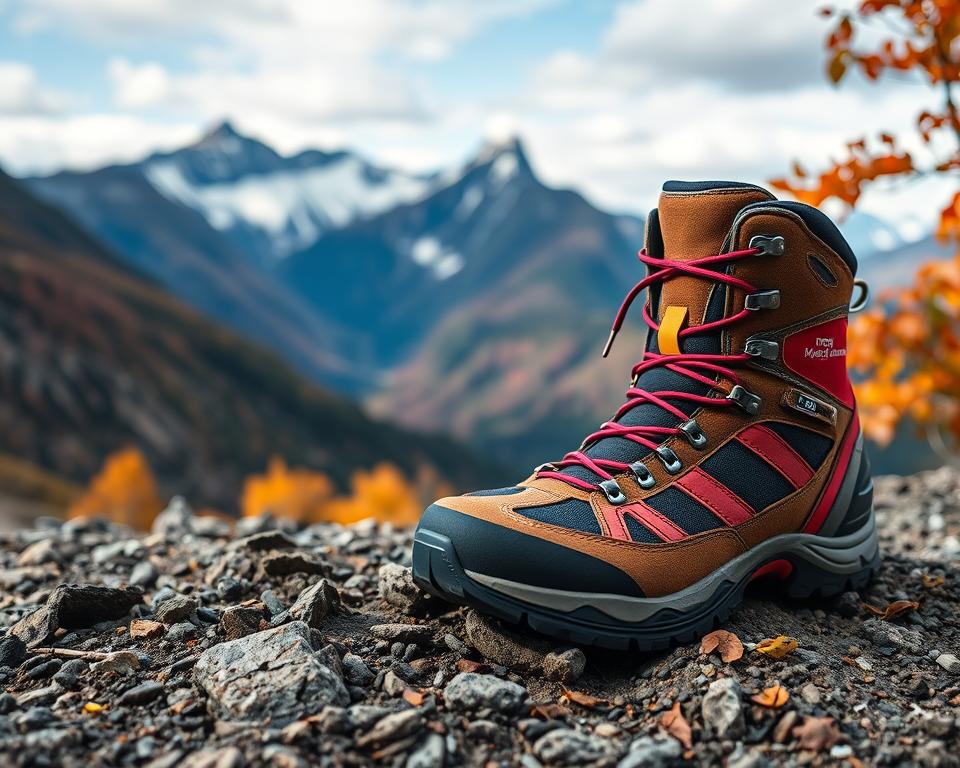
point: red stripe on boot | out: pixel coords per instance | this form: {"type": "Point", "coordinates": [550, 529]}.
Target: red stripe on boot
{"type": "Point", "coordinates": [777, 453]}
{"type": "Point", "coordinates": [656, 523]}
{"type": "Point", "coordinates": [715, 496]}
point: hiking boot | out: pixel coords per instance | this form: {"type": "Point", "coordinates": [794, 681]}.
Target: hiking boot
{"type": "Point", "coordinates": [737, 453]}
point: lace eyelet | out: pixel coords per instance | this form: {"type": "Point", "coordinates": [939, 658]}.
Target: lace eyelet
{"type": "Point", "coordinates": [645, 478]}
{"type": "Point", "coordinates": [671, 462]}
{"type": "Point", "coordinates": [768, 350]}
{"type": "Point", "coordinates": [748, 401]}
{"type": "Point", "coordinates": [611, 489]}
{"type": "Point", "coordinates": [769, 245]}
{"type": "Point", "coordinates": [762, 300]}
{"type": "Point", "coordinates": [694, 434]}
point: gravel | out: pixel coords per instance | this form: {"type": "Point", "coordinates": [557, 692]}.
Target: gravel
{"type": "Point", "coordinates": [282, 645]}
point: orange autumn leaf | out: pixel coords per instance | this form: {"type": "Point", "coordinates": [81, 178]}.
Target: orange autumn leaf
{"type": "Point", "coordinates": [773, 697]}
{"type": "Point", "coordinates": [817, 734]}
{"type": "Point", "coordinates": [549, 711]}
{"type": "Point", "coordinates": [777, 647]}
{"type": "Point", "coordinates": [413, 697]}
{"type": "Point", "coordinates": [892, 611]}
{"type": "Point", "coordinates": [726, 643]}
{"type": "Point", "coordinates": [674, 723]}
{"type": "Point", "coordinates": [931, 582]}
{"type": "Point", "coordinates": [585, 700]}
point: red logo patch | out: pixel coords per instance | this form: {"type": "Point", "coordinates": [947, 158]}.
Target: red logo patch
{"type": "Point", "coordinates": [819, 354]}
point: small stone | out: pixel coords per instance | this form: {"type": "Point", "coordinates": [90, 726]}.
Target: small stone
{"type": "Point", "coordinates": [355, 670]}
{"type": "Point", "coordinates": [181, 632]}
{"type": "Point", "coordinates": [141, 694]}
{"type": "Point", "coordinates": [430, 754]}
{"type": "Point", "coordinates": [70, 673]}
{"type": "Point", "coordinates": [471, 691]}
{"type": "Point", "coordinates": [396, 586]}
{"type": "Point", "coordinates": [810, 694]}
{"type": "Point", "coordinates": [176, 608]}
{"type": "Point", "coordinates": [886, 634]}
{"type": "Point", "coordinates": [405, 633]}
{"type": "Point", "coordinates": [8, 704]}
{"type": "Point", "coordinates": [144, 574]}
{"type": "Point", "coordinates": [391, 728]}
{"type": "Point", "coordinates": [722, 708]}
{"type": "Point", "coordinates": [120, 663]}
{"type": "Point", "coordinates": [564, 666]}
{"type": "Point", "coordinates": [565, 746]}
{"type": "Point", "coordinates": [241, 620]}
{"type": "Point", "coordinates": [228, 757]}
{"type": "Point", "coordinates": [175, 520]}
{"type": "Point", "coordinates": [12, 651]}
{"type": "Point", "coordinates": [39, 553]}
{"type": "Point", "coordinates": [949, 662]}
{"type": "Point", "coordinates": [393, 685]}
{"type": "Point", "coordinates": [273, 675]}
{"type": "Point", "coordinates": [229, 588]}
{"type": "Point", "coordinates": [72, 606]}
{"type": "Point", "coordinates": [144, 629]}
{"type": "Point", "coordinates": [652, 752]}
{"type": "Point", "coordinates": [287, 563]}
{"type": "Point", "coordinates": [45, 669]}
{"type": "Point", "coordinates": [315, 603]}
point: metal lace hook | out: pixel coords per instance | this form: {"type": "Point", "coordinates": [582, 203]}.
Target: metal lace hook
{"type": "Point", "coordinates": [863, 299]}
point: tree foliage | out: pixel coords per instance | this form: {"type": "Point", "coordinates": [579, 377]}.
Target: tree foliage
{"type": "Point", "coordinates": [907, 349]}
{"type": "Point", "coordinates": [124, 491]}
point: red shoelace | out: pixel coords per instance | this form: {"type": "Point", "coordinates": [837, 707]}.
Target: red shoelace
{"type": "Point", "coordinates": [693, 366]}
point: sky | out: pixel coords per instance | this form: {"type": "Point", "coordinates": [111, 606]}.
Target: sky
{"type": "Point", "coordinates": [610, 96]}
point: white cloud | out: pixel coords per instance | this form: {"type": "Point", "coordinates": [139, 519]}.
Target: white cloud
{"type": "Point", "coordinates": [22, 94]}
{"type": "Point", "coordinates": [40, 144]}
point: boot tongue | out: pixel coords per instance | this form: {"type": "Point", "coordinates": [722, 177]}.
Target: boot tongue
{"type": "Point", "coordinates": [695, 218]}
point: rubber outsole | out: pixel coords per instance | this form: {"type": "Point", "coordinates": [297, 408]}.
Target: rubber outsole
{"type": "Point", "coordinates": [437, 569]}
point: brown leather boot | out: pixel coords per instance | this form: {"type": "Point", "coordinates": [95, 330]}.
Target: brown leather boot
{"type": "Point", "coordinates": [737, 453]}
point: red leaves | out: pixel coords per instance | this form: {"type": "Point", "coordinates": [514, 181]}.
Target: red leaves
{"type": "Point", "coordinates": [892, 611]}
{"type": "Point", "coordinates": [817, 734]}
{"type": "Point", "coordinates": [674, 723]}
{"type": "Point", "coordinates": [773, 697]}
{"type": "Point", "coordinates": [726, 643]}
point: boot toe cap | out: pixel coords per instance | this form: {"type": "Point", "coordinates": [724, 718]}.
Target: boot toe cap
{"type": "Point", "coordinates": [484, 547]}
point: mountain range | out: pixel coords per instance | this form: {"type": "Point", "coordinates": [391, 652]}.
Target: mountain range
{"type": "Point", "coordinates": [472, 301]}
{"type": "Point", "coordinates": [95, 356]}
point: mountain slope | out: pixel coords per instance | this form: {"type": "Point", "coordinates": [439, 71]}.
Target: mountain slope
{"type": "Point", "coordinates": [171, 241]}
{"type": "Point", "coordinates": [396, 276]}
{"type": "Point", "coordinates": [94, 357]}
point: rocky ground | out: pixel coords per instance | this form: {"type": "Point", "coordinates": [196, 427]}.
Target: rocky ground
{"type": "Point", "coordinates": [198, 645]}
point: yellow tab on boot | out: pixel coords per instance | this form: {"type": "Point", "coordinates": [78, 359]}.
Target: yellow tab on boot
{"type": "Point", "coordinates": [668, 337]}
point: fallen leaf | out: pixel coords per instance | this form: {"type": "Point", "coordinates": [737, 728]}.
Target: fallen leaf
{"type": "Point", "coordinates": [726, 643]}
{"type": "Point", "coordinates": [773, 697]}
{"type": "Point", "coordinates": [674, 723]}
{"type": "Point", "coordinates": [413, 698]}
{"type": "Point", "coordinates": [817, 733]}
{"type": "Point", "coordinates": [549, 711]}
{"type": "Point", "coordinates": [896, 608]}
{"type": "Point", "coordinates": [91, 707]}
{"type": "Point", "coordinates": [932, 581]}
{"type": "Point", "coordinates": [583, 699]}
{"type": "Point", "coordinates": [777, 647]}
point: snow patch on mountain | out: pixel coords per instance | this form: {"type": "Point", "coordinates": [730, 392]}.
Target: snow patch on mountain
{"type": "Point", "coordinates": [293, 206]}
{"type": "Point", "coordinates": [430, 253]}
